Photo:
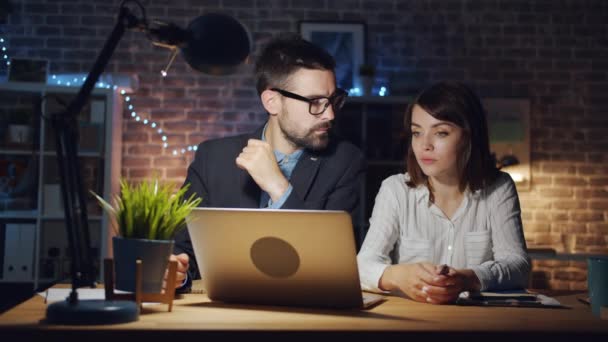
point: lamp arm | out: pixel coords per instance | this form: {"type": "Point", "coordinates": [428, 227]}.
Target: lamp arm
{"type": "Point", "coordinates": [73, 195]}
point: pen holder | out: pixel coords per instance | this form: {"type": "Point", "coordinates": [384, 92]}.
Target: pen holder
{"type": "Point", "coordinates": [139, 296]}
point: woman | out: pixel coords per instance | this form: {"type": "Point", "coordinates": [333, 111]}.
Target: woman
{"type": "Point", "coordinates": [452, 223]}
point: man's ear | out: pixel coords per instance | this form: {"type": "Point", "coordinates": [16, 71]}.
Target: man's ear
{"type": "Point", "coordinates": [271, 101]}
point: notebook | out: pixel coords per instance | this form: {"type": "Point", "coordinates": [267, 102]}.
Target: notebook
{"type": "Point", "coordinates": [278, 257]}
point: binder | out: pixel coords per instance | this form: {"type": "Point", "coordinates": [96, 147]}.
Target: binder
{"type": "Point", "coordinates": [11, 251]}
{"type": "Point", "coordinates": [19, 252]}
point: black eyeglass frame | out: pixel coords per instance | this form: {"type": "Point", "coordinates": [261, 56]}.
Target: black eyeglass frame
{"type": "Point", "coordinates": [336, 100]}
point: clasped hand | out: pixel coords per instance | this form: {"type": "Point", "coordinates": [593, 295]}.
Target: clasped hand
{"type": "Point", "coordinates": [424, 283]}
{"type": "Point", "coordinates": [258, 159]}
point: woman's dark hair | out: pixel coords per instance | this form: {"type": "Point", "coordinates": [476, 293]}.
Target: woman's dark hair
{"type": "Point", "coordinates": [458, 104]}
{"type": "Point", "coordinates": [284, 55]}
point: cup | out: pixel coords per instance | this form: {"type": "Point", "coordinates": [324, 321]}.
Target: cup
{"type": "Point", "coordinates": [597, 281]}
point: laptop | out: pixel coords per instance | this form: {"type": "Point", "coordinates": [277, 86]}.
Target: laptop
{"type": "Point", "coordinates": [278, 257]}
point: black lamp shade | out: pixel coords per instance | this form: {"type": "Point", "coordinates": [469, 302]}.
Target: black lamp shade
{"type": "Point", "coordinates": [216, 44]}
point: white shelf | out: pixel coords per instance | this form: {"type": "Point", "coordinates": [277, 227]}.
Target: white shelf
{"type": "Point", "coordinates": [15, 152]}
{"type": "Point", "coordinates": [104, 148]}
{"type": "Point", "coordinates": [62, 217]}
{"type": "Point", "coordinates": [47, 153]}
{"type": "Point", "coordinates": [80, 154]}
{"type": "Point", "coordinates": [19, 214]}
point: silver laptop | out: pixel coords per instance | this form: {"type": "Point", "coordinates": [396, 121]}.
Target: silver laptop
{"type": "Point", "coordinates": [278, 257]}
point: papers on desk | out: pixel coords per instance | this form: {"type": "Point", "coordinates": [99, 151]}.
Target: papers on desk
{"type": "Point", "coordinates": [54, 295]}
{"type": "Point", "coordinates": [58, 294]}
{"type": "Point", "coordinates": [515, 298]}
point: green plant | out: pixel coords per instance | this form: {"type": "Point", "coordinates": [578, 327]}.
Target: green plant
{"type": "Point", "coordinates": [367, 70]}
{"type": "Point", "coordinates": [149, 210]}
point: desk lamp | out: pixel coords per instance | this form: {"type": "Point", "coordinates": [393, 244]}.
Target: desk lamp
{"type": "Point", "coordinates": [214, 44]}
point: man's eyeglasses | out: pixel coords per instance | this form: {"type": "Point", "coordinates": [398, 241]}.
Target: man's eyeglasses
{"type": "Point", "coordinates": [318, 105]}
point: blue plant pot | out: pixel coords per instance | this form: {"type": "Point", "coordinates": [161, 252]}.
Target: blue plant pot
{"type": "Point", "coordinates": [154, 255]}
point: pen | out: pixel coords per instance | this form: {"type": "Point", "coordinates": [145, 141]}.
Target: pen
{"type": "Point", "coordinates": [445, 269]}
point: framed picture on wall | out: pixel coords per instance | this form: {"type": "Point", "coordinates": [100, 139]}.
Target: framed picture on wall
{"type": "Point", "coordinates": [509, 128]}
{"type": "Point", "coordinates": [343, 40]}
{"type": "Point", "coordinates": [28, 70]}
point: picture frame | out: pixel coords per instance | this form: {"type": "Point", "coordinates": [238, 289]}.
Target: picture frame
{"type": "Point", "coordinates": [509, 133]}
{"type": "Point", "coordinates": [345, 41]}
{"type": "Point", "coordinates": [28, 70]}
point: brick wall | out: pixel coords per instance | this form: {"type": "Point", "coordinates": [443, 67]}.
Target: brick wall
{"type": "Point", "coordinates": [553, 52]}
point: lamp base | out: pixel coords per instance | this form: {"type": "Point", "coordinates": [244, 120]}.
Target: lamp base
{"type": "Point", "coordinates": [92, 312]}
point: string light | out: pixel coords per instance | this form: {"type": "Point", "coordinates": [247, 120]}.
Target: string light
{"type": "Point", "coordinates": [4, 51]}
{"type": "Point", "coordinates": [382, 91]}
{"type": "Point", "coordinates": [76, 81]}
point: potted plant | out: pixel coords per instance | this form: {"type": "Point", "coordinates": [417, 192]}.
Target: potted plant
{"type": "Point", "coordinates": [146, 217]}
{"type": "Point", "coordinates": [367, 73]}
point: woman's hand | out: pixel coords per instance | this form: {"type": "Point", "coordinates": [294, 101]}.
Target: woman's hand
{"type": "Point", "coordinates": [424, 282]}
{"type": "Point", "coordinates": [409, 279]}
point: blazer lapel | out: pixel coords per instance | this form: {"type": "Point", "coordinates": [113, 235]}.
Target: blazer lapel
{"type": "Point", "coordinates": [305, 172]}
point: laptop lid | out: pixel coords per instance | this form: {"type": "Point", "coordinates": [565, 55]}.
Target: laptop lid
{"type": "Point", "coordinates": [277, 257]}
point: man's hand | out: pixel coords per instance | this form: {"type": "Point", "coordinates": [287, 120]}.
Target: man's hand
{"type": "Point", "coordinates": [258, 159]}
{"type": "Point", "coordinates": [182, 268]}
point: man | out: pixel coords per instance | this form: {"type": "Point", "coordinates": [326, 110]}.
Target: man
{"type": "Point", "coordinates": [291, 162]}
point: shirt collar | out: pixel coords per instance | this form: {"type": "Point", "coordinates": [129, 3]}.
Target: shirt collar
{"type": "Point", "coordinates": [280, 155]}
{"type": "Point", "coordinates": [422, 192]}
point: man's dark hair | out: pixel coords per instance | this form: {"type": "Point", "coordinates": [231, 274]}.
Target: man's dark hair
{"type": "Point", "coordinates": [284, 55]}
{"type": "Point", "coordinates": [458, 104]}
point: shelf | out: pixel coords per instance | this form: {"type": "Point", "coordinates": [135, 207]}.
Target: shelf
{"type": "Point", "coordinates": [99, 151]}
{"type": "Point", "coordinates": [19, 214]}
{"type": "Point", "coordinates": [80, 154]}
{"type": "Point", "coordinates": [47, 153]}
{"type": "Point", "coordinates": [23, 152]}
{"type": "Point", "coordinates": [61, 217]}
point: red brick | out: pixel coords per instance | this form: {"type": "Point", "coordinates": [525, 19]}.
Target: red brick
{"type": "Point", "coordinates": [177, 173]}
{"type": "Point", "coordinates": [556, 192]}
{"type": "Point", "coordinates": [569, 204]}
{"type": "Point", "coordinates": [135, 162]}
{"type": "Point", "coordinates": [148, 149]}
{"type": "Point", "coordinates": [559, 168]}
{"type": "Point", "coordinates": [534, 203]}
{"type": "Point", "coordinates": [591, 193]}
{"type": "Point", "coordinates": [598, 181]}
{"type": "Point", "coordinates": [542, 227]}
{"type": "Point", "coordinates": [568, 227]}
{"type": "Point", "coordinates": [135, 174]}
{"type": "Point", "coordinates": [579, 285]}
{"type": "Point", "coordinates": [169, 162]}
{"type": "Point", "coordinates": [540, 181]}
{"type": "Point", "coordinates": [570, 274]}
{"type": "Point", "coordinates": [587, 216]}
{"type": "Point", "coordinates": [570, 181]}
{"type": "Point", "coordinates": [598, 228]}
{"type": "Point", "coordinates": [598, 204]}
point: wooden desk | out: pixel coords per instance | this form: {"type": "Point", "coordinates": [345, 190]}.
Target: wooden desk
{"type": "Point", "coordinates": [195, 318]}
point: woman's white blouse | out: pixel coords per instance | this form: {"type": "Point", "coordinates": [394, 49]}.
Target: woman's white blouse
{"type": "Point", "coordinates": [485, 234]}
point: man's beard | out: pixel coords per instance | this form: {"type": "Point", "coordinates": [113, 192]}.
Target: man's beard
{"type": "Point", "coordinates": [310, 140]}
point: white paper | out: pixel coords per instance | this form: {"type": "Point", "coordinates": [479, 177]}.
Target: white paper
{"type": "Point", "coordinates": [56, 294]}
